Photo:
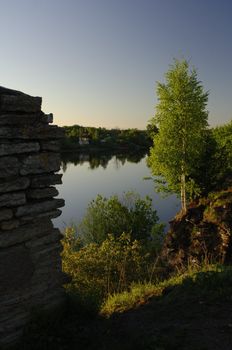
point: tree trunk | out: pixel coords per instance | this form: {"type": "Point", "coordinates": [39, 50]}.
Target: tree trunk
{"type": "Point", "coordinates": [183, 191]}
{"type": "Point", "coordinates": [183, 172]}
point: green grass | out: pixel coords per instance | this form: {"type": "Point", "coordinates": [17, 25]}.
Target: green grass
{"type": "Point", "coordinates": [137, 295]}
{"type": "Point", "coordinates": [210, 282]}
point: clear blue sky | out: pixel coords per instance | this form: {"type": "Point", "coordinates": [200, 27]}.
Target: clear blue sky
{"type": "Point", "coordinates": [96, 62]}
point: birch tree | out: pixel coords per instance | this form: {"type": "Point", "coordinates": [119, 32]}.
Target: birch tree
{"type": "Point", "coordinates": [181, 118]}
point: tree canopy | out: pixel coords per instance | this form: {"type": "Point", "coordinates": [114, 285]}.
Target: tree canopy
{"type": "Point", "coordinates": [181, 118]}
{"type": "Point", "coordinates": [130, 214]}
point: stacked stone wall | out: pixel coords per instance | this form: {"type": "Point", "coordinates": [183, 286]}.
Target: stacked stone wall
{"type": "Point", "coordinates": [30, 263]}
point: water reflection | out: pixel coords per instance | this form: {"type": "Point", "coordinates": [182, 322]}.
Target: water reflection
{"type": "Point", "coordinates": [85, 175]}
{"type": "Point", "coordinates": [96, 160]}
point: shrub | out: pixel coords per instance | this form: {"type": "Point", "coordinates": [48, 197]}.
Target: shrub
{"type": "Point", "coordinates": [98, 270]}
{"type": "Point", "coordinates": [130, 214]}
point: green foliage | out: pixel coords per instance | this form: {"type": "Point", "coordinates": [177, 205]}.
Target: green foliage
{"type": "Point", "coordinates": [222, 156]}
{"type": "Point", "coordinates": [181, 118]}
{"type": "Point", "coordinates": [102, 259]}
{"type": "Point", "coordinates": [98, 270]}
{"type": "Point", "coordinates": [114, 216]}
{"type": "Point", "coordinates": [214, 171]}
{"type": "Point", "coordinates": [152, 129]}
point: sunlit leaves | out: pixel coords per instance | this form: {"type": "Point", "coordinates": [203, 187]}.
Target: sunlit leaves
{"type": "Point", "coordinates": [114, 216]}
{"type": "Point", "coordinates": [181, 118]}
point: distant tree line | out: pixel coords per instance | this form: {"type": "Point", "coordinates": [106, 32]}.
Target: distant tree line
{"type": "Point", "coordinates": [81, 137]}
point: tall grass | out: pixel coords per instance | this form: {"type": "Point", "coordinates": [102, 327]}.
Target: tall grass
{"type": "Point", "coordinates": [209, 281]}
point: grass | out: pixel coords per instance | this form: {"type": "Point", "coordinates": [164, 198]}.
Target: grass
{"type": "Point", "coordinates": [211, 282]}
{"type": "Point", "coordinates": [191, 311]}
{"type": "Point", "coordinates": [138, 294]}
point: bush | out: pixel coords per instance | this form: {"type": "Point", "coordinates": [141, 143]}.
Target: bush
{"type": "Point", "coordinates": [101, 259]}
{"type": "Point", "coordinates": [98, 270]}
{"type": "Point", "coordinates": [113, 216]}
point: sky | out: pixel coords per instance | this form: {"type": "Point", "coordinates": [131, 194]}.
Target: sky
{"type": "Point", "coordinates": [96, 62]}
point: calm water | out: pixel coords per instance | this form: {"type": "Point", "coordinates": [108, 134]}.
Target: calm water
{"type": "Point", "coordinates": [86, 176]}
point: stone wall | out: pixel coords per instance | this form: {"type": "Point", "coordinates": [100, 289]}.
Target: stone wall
{"type": "Point", "coordinates": [30, 264]}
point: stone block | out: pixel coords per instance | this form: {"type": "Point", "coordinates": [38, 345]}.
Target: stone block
{"type": "Point", "coordinates": [39, 207]}
{"type": "Point", "coordinates": [9, 225]}
{"type": "Point", "coordinates": [40, 132]}
{"type": "Point", "coordinates": [41, 193]}
{"type": "Point", "coordinates": [16, 269]}
{"type": "Point", "coordinates": [22, 234]}
{"type": "Point", "coordinates": [9, 166]}
{"type": "Point", "coordinates": [19, 183]}
{"type": "Point", "coordinates": [47, 118]}
{"type": "Point", "coordinates": [40, 163]}
{"type": "Point", "coordinates": [20, 103]}
{"type": "Point", "coordinates": [41, 181]}
{"type": "Point", "coordinates": [17, 148]}
{"type": "Point", "coordinates": [5, 214]}
{"type": "Point", "coordinates": [54, 236]}
{"type": "Point", "coordinates": [12, 199]}
{"type": "Point", "coordinates": [49, 214]}
{"type": "Point", "coordinates": [53, 146]}
{"type": "Point", "coordinates": [21, 119]}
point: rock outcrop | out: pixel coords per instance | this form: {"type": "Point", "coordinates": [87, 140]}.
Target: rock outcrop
{"type": "Point", "coordinates": [203, 234]}
{"type": "Point", "coordinates": [30, 263]}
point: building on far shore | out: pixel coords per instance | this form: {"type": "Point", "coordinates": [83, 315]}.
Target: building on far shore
{"type": "Point", "coordinates": [83, 141]}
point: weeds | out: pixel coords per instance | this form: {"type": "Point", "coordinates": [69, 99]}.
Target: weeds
{"type": "Point", "coordinates": [210, 281]}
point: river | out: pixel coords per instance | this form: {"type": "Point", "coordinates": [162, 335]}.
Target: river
{"type": "Point", "coordinates": [85, 176]}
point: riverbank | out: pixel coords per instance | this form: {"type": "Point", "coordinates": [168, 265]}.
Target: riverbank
{"type": "Point", "coordinates": [104, 148]}
{"type": "Point", "coordinates": [91, 139]}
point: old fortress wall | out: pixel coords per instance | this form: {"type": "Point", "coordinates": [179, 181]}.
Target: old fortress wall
{"type": "Point", "coordinates": [30, 263]}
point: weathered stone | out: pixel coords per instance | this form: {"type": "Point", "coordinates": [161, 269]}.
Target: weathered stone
{"type": "Point", "coordinates": [41, 132]}
{"type": "Point", "coordinates": [20, 103]}
{"type": "Point", "coordinates": [39, 207]}
{"type": "Point", "coordinates": [17, 148]}
{"type": "Point", "coordinates": [47, 118]}
{"type": "Point", "coordinates": [40, 163]}
{"type": "Point", "coordinates": [46, 192]}
{"type": "Point", "coordinates": [53, 236]}
{"type": "Point", "coordinates": [21, 119]}
{"type": "Point", "coordinates": [53, 146]}
{"type": "Point", "coordinates": [16, 269]}
{"type": "Point", "coordinates": [9, 166]}
{"type": "Point", "coordinates": [19, 183]}
{"type": "Point", "coordinates": [25, 233]}
{"type": "Point", "coordinates": [12, 199]}
{"type": "Point", "coordinates": [9, 225]}
{"type": "Point", "coordinates": [5, 214]}
{"type": "Point", "coordinates": [41, 181]}
{"type": "Point", "coordinates": [30, 262]}
{"type": "Point", "coordinates": [11, 334]}
{"type": "Point", "coordinates": [6, 91]}
{"type": "Point", "coordinates": [47, 251]}
{"type": "Point", "coordinates": [49, 214]}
